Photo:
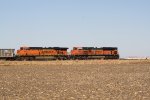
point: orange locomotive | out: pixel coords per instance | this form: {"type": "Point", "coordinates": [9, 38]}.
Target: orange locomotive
{"type": "Point", "coordinates": [94, 53]}
{"type": "Point", "coordinates": [39, 53]}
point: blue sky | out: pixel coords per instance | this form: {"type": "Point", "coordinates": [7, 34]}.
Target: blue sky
{"type": "Point", "coordinates": [121, 23]}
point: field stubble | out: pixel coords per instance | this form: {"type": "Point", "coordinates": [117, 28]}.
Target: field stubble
{"type": "Point", "coordinates": [61, 80]}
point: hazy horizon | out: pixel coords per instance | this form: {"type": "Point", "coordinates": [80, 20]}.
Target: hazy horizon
{"type": "Point", "coordinates": [67, 23]}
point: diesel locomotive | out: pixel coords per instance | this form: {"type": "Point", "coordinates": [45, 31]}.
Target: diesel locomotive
{"type": "Point", "coordinates": [59, 53]}
{"type": "Point", "coordinates": [94, 53]}
{"type": "Point", "coordinates": [41, 53]}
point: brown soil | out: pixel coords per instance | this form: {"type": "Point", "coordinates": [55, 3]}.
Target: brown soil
{"type": "Point", "coordinates": [72, 80]}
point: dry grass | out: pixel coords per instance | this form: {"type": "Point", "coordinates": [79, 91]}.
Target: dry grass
{"type": "Point", "coordinates": [61, 80]}
{"type": "Point", "coordinates": [73, 62]}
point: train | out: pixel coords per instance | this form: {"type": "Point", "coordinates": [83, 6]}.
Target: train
{"type": "Point", "coordinates": [59, 53]}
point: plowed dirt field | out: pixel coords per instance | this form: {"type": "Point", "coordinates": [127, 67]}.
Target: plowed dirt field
{"type": "Point", "coordinates": [72, 80]}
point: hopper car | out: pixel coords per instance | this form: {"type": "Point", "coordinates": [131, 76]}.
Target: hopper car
{"type": "Point", "coordinates": [59, 53]}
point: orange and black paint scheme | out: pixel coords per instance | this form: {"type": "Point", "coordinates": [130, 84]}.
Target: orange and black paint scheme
{"type": "Point", "coordinates": [95, 53]}
{"type": "Point", "coordinates": [32, 53]}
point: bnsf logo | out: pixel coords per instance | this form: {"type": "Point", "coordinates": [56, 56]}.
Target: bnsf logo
{"type": "Point", "coordinates": [47, 52]}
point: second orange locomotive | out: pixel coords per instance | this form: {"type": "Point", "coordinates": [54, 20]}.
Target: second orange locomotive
{"type": "Point", "coordinates": [95, 53]}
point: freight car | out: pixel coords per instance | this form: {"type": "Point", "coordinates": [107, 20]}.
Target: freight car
{"type": "Point", "coordinates": [7, 54]}
{"type": "Point", "coordinates": [40, 53]}
{"type": "Point", "coordinates": [94, 53]}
